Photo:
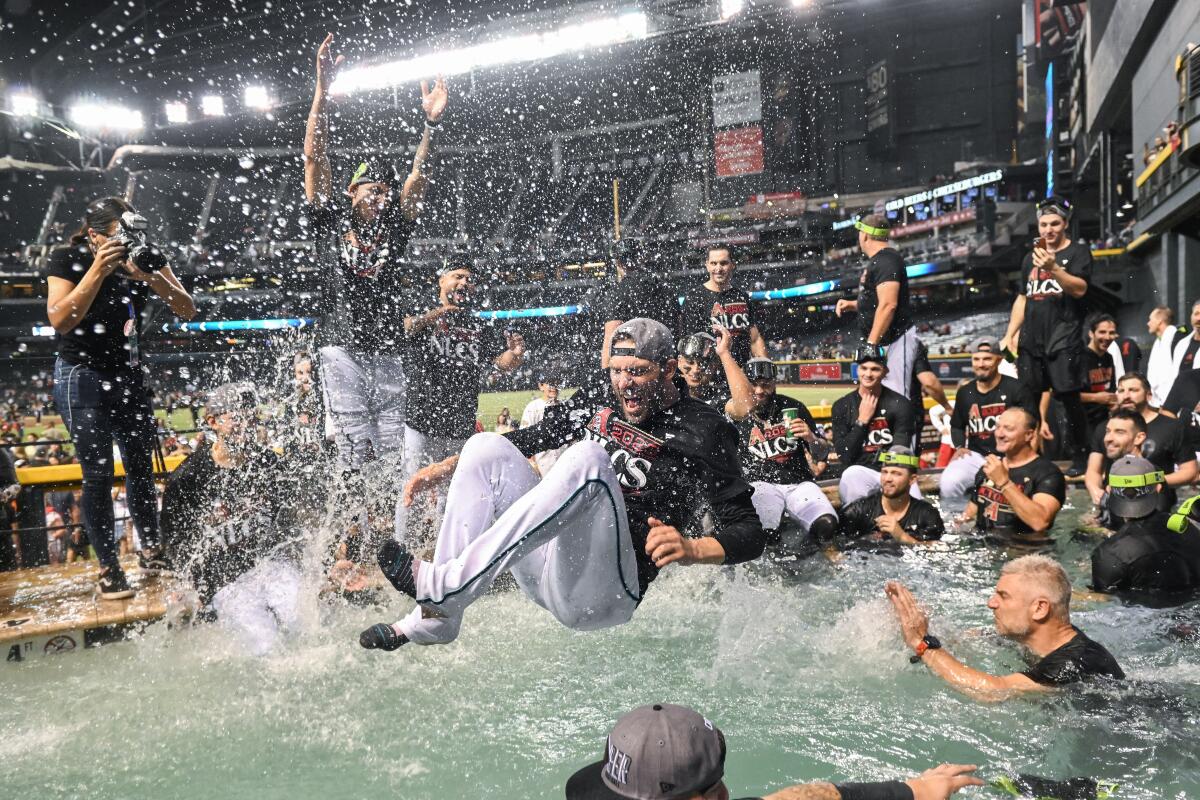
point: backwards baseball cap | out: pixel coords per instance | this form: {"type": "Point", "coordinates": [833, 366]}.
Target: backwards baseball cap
{"type": "Point", "coordinates": [760, 369]}
{"type": "Point", "coordinates": [656, 752]}
{"type": "Point", "coordinates": [231, 397]}
{"type": "Point", "coordinates": [643, 338]}
{"type": "Point", "coordinates": [1133, 487]}
{"type": "Point", "coordinates": [900, 456]}
{"type": "Point", "coordinates": [986, 344]}
{"type": "Point", "coordinates": [1054, 205]}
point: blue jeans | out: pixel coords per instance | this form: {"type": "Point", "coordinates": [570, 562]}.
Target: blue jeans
{"type": "Point", "coordinates": [99, 407]}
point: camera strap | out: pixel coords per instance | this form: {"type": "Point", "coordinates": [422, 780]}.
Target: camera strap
{"type": "Point", "coordinates": [131, 333]}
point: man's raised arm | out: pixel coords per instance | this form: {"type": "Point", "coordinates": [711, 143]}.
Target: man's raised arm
{"type": "Point", "coordinates": [318, 176]}
{"type": "Point", "coordinates": [433, 103]}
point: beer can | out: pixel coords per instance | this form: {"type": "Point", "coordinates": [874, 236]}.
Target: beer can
{"type": "Point", "coordinates": [790, 414]}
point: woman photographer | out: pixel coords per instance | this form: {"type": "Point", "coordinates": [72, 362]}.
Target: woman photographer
{"type": "Point", "coordinates": [96, 298]}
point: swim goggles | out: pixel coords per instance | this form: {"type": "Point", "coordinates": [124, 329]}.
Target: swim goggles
{"type": "Point", "coordinates": [698, 346]}
{"type": "Point", "coordinates": [1132, 486]}
{"type": "Point", "coordinates": [870, 230]}
{"type": "Point", "coordinates": [760, 369]}
{"type": "Point", "coordinates": [1054, 205]}
{"type": "Point", "coordinates": [1180, 517]}
{"type": "Point", "coordinates": [899, 460]}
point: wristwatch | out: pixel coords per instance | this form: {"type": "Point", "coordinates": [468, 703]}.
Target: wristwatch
{"type": "Point", "coordinates": [926, 644]}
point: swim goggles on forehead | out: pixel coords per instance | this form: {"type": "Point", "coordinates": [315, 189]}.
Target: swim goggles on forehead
{"type": "Point", "coordinates": [1131, 486]}
{"type": "Point", "coordinates": [760, 370]}
{"type": "Point", "coordinates": [870, 230]}
{"type": "Point", "coordinates": [899, 460]}
{"type": "Point", "coordinates": [1180, 517]}
{"type": "Point", "coordinates": [1054, 205]}
{"type": "Point", "coordinates": [697, 346]}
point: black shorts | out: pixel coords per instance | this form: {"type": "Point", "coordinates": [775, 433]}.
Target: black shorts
{"type": "Point", "coordinates": [1059, 372]}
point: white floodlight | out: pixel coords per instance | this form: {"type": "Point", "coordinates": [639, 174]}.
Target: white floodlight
{"type": "Point", "coordinates": [256, 97]}
{"type": "Point", "coordinates": [24, 105]}
{"type": "Point", "coordinates": [731, 8]}
{"type": "Point", "coordinates": [213, 105]}
{"type": "Point", "coordinates": [177, 111]}
{"type": "Point", "coordinates": [106, 117]}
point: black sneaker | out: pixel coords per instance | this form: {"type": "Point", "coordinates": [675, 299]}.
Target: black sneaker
{"type": "Point", "coordinates": [382, 636]}
{"type": "Point", "coordinates": [114, 586]}
{"type": "Point", "coordinates": [152, 561]}
{"type": "Point", "coordinates": [397, 566]}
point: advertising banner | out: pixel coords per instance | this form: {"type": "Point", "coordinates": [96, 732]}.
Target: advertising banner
{"type": "Point", "coordinates": [738, 151]}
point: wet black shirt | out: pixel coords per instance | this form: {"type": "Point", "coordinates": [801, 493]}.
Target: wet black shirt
{"type": "Point", "coordinates": [1145, 557]}
{"type": "Point", "coordinates": [444, 366]}
{"type": "Point", "coordinates": [1184, 402]}
{"type": "Point", "coordinates": [973, 423]}
{"type": "Point", "coordinates": [766, 451]}
{"type": "Point", "coordinates": [672, 465]}
{"type": "Point", "coordinates": [1053, 319]}
{"type": "Point", "coordinates": [218, 524]}
{"type": "Point", "coordinates": [922, 521]}
{"type": "Point", "coordinates": [715, 394]}
{"type": "Point", "coordinates": [1077, 659]}
{"type": "Point", "coordinates": [1167, 444]}
{"type": "Point", "coordinates": [101, 339]}
{"type": "Point", "coordinates": [860, 444]}
{"type": "Point", "coordinates": [367, 294]}
{"type": "Point", "coordinates": [1189, 355]}
{"type": "Point", "coordinates": [1101, 377]}
{"type": "Point", "coordinates": [640, 295]}
{"type": "Point", "coordinates": [704, 308]}
{"type": "Point", "coordinates": [883, 267]}
{"type": "Point", "coordinates": [996, 516]}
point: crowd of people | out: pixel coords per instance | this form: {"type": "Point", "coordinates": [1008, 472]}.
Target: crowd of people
{"type": "Point", "coordinates": [678, 449]}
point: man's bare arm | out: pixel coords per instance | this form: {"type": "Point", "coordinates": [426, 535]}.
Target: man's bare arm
{"type": "Point", "coordinates": [318, 175]}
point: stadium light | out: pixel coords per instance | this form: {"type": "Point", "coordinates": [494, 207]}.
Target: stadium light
{"type": "Point", "coordinates": [576, 38]}
{"type": "Point", "coordinates": [106, 117]}
{"type": "Point", "coordinates": [256, 97]}
{"type": "Point", "coordinates": [731, 8]}
{"type": "Point", "coordinates": [177, 111]}
{"type": "Point", "coordinates": [213, 105]}
{"type": "Point", "coordinates": [24, 105]}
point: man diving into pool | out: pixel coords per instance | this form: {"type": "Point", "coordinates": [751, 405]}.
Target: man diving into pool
{"type": "Point", "coordinates": [1032, 606]}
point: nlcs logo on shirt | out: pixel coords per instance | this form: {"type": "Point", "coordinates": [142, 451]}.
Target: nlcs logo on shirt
{"type": "Point", "coordinates": [635, 449]}
{"type": "Point", "coordinates": [981, 420]}
{"type": "Point", "coordinates": [735, 317]}
{"type": "Point", "coordinates": [1041, 285]}
{"type": "Point", "coordinates": [771, 443]}
{"type": "Point", "coordinates": [879, 434]}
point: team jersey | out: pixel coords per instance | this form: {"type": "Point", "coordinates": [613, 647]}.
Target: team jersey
{"type": "Point", "coordinates": [1184, 402]}
{"type": "Point", "coordinates": [218, 524]}
{"type": "Point", "coordinates": [671, 465]}
{"type": "Point", "coordinates": [995, 517]}
{"type": "Point", "coordinates": [973, 423]}
{"type": "Point", "coordinates": [1167, 445]}
{"type": "Point", "coordinates": [715, 394]}
{"type": "Point", "coordinates": [766, 452]}
{"type": "Point", "coordinates": [860, 444]}
{"type": "Point", "coordinates": [1101, 377]}
{"type": "Point", "coordinates": [367, 294]}
{"type": "Point", "coordinates": [1053, 319]}
{"type": "Point", "coordinates": [1077, 659]}
{"type": "Point", "coordinates": [703, 308]}
{"type": "Point", "coordinates": [1146, 557]}
{"type": "Point", "coordinates": [444, 366]}
{"type": "Point", "coordinates": [922, 521]}
{"type": "Point", "coordinates": [885, 266]}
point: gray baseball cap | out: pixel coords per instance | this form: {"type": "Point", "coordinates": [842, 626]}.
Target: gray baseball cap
{"type": "Point", "coordinates": [656, 752]}
{"type": "Point", "coordinates": [231, 397]}
{"type": "Point", "coordinates": [986, 344]}
{"type": "Point", "coordinates": [1133, 487]}
{"type": "Point", "coordinates": [643, 338]}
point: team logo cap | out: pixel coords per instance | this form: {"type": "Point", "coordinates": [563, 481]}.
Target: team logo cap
{"type": "Point", "coordinates": [1133, 487]}
{"type": "Point", "coordinates": [643, 338]}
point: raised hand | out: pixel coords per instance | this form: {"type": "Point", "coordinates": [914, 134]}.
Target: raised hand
{"type": "Point", "coordinates": [433, 101]}
{"type": "Point", "coordinates": [327, 65]}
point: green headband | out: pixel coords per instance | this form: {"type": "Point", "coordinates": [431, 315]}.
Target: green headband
{"type": "Point", "coordinates": [899, 460]}
{"type": "Point", "coordinates": [1178, 520]}
{"type": "Point", "coordinates": [358, 173]}
{"type": "Point", "coordinates": [1136, 481]}
{"type": "Point", "coordinates": [870, 230]}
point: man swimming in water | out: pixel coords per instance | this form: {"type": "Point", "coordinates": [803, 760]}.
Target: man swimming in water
{"type": "Point", "coordinates": [1032, 606]}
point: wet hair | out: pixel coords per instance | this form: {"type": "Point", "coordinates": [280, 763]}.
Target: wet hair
{"type": "Point", "coordinates": [99, 215]}
{"type": "Point", "coordinates": [1136, 376]}
{"type": "Point", "coordinates": [1095, 320]}
{"type": "Point", "coordinates": [726, 246]}
{"type": "Point", "coordinates": [1166, 312]}
{"type": "Point", "coordinates": [1050, 578]}
{"type": "Point", "coordinates": [1139, 422]}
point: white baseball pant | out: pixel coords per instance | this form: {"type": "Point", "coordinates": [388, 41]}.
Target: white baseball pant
{"type": "Point", "coordinates": [859, 481]}
{"type": "Point", "coordinates": [901, 358]}
{"type": "Point", "coordinates": [958, 478]}
{"type": "Point", "coordinates": [565, 539]}
{"type": "Point", "coordinates": [260, 605]}
{"type": "Point", "coordinates": [365, 397]}
{"type": "Point", "coordinates": [803, 502]}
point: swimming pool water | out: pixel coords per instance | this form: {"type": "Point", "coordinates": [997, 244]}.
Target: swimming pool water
{"type": "Point", "coordinates": [802, 668]}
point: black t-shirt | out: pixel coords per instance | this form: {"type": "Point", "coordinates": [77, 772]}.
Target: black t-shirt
{"type": "Point", "coordinates": [1167, 444]}
{"type": "Point", "coordinates": [1131, 354]}
{"type": "Point", "coordinates": [860, 444]}
{"type": "Point", "coordinates": [766, 451]}
{"type": "Point", "coordinates": [922, 521]}
{"type": "Point", "coordinates": [996, 517]}
{"type": "Point", "coordinates": [1077, 659]}
{"type": "Point", "coordinates": [704, 308]}
{"type": "Point", "coordinates": [1184, 402]}
{"type": "Point", "coordinates": [715, 393]}
{"type": "Point", "coordinates": [444, 365]}
{"type": "Point", "coordinates": [883, 267]}
{"type": "Point", "coordinates": [641, 295]}
{"type": "Point", "coordinates": [973, 423]}
{"type": "Point", "coordinates": [368, 292]}
{"type": "Point", "coordinates": [1189, 355]}
{"type": "Point", "coordinates": [1148, 558]}
{"type": "Point", "coordinates": [102, 339]}
{"type": "Point", "coordinates": [1101, 377]}
{"type": "Point", "coordinates": [1054, 319]}
{"type": "Point", "coordinates": [218, 524]}
{"type": "Point", "coordinates": [672, 465]}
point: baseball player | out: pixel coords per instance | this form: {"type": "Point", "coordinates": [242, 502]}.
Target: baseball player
{"type": "Point", "coordinates": [774, 452]}
{"type": "Point", "coordinates": [586, 541]}
{"type": "Point", "coordinates": [712, 374]}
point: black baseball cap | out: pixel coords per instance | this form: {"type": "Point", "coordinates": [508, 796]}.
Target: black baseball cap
{"type": "Point", "coordinates": [657, 752]}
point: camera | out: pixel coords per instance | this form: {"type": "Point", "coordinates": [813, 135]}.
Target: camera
{"type": "Point", "coordinates": [132, 234]}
